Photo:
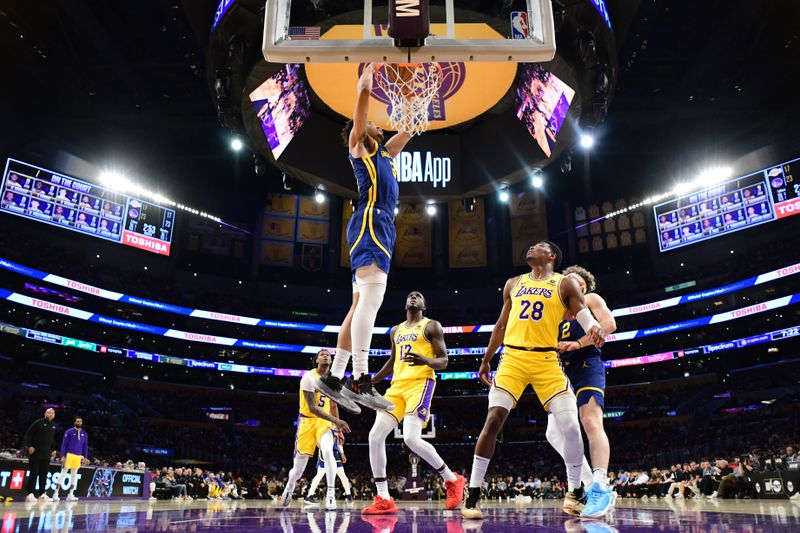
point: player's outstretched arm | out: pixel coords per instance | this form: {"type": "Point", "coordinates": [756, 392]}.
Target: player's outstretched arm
{"type": "Point", "coordinates": [498, 333]}
{"type": "Point", "coordinates": [434, 333]}
{"type": "Point", "coordinates": [361, 110]}
{"type": "Point", "coordinates": [396, 144]}
{"type": "Point", "coordinates": [389, 365]}
{"type": "Point", "coordinates": [572, 295]}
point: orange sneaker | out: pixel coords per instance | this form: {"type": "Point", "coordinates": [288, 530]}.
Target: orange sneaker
{"type": "Point", "coordinates": [381, 506]}
{"type": "Point", "coordinates": [455, 491]}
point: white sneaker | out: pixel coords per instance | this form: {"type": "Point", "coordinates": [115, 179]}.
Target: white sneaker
{"type": "Point", "coordinates": [72, 498]}
{"type": "Point", "coordinates": [713, 495]}
{"type": "Point", "coordinates": [644, 498]}
{"type": "Point", "coordinates": [45, 498]}
{"type": "Point", "coordinates": [56, 499]}
{"type": "Point", "coordinates": [30, 498]}
{"type": "Point", "coordinates": [330, 503]}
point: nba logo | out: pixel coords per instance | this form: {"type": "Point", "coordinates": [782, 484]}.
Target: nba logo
{"type": "Point", "coordinates": [519, 25]}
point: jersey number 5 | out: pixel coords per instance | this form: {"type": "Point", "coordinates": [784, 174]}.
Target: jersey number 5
{"type": "Point", "coordinates": [536, 310]}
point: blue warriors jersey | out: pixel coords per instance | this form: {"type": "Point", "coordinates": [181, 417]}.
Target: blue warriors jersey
{"type": "Point", "coordinates": [371, 231]}
{"type": "Point", "coordinates": [571, 330]}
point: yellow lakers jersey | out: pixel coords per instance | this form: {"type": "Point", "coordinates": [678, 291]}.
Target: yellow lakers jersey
{"type": "Point", "coordinates": [412, 339]}
{"type": "Point", "coordinates": [322, 401]}
{"type": "Point", "coordinates": [536, 312]}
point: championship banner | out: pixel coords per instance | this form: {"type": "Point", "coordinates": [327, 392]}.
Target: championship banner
{"type": "Point", "coordinates": [347, 213]}
{"type": "Point", "coordinates": [93, 483]}
{"type": "Point", "coordinates": [312, 231]}
{"type": "Point", "coordinates": [277, 253]}
{"type": "Point", "coordinates": [310, 208]}
{"type": "Point", "coordinates": [467, 235]}
{"type": "Point", "coordinates": [413, 246]}
{"type": "Point", "coordinates": [277, 228]}
{"type": "Point", "coordinates": [284, 205]}
{"type": "Point", "coordinates": [528, 223]}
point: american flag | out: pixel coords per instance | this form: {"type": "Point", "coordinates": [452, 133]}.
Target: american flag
{"type": "Point", "coordinates": [304, 33]}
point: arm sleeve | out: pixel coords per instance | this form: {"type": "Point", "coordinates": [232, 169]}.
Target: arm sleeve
{"type": "Point", "coordinates": [307, 382]}
{"type": "Point", "coordinates": [64, 441]}
{"type": "Point", "coordinates": [85, 445]}
{"type": "Point", "coordinates": [31, 433]}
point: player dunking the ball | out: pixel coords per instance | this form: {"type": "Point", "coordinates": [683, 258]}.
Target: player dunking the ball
{"type": "Point", "coordinates": [583, 365]}
{"type": "Point", "coordinates": [533, 306]}
{"type": "Point", "coordinates": [418, 350]}
{"type": "Point", "coordinates": [318, 417]}
{"type": "Point", "coordinates": [370, 237]}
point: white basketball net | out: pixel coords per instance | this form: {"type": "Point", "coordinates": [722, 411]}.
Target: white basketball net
{"type": "Point", "coordinates": [411, 97]}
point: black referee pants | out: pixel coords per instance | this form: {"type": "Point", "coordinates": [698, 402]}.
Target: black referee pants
{"type": "Point", "coordinates": [38, 466]}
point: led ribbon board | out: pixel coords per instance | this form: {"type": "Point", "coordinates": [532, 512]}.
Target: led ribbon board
{"type": "Point", "coordinates": [59, 200]}
{"type": "Point", "coordinates": [379, 330]}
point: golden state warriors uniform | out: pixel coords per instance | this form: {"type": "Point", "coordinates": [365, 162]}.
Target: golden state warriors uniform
{"type": "Point", "coordinates": [530, 355]}
{"type": "Point", "coordinates": [583, 367]}
{"type": "Point", "coordinates": [310, 428]}
{"type": "Point", "coordinates": [412, 386]}
{"type": "Point", "coordinates": [371, 231]}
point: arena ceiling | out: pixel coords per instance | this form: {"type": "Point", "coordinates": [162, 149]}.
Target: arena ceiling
{"type": "Point", "coordinates": [124, 82]}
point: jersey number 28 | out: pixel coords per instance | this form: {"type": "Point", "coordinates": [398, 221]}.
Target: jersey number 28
{"type": "Point", "coordinates": [536, 310]}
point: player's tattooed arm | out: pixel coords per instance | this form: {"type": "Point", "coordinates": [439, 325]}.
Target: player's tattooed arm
{"type": "Point", "coordinates": [572, 295]}
{"type": "Point", "coordinates": [435, 333]}
{"type": "Point", "coordinates": [384, 372]}
{"type": "Point", "coordinates": [498, 333]}
{"type": "Point", "coordinates": [311, 401]}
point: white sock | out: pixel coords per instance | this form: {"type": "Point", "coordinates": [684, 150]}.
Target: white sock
{"type": "Point", "coordinates": [446, 473]}
{"type": "Point", "coordinates": [600, 476]}
{"type": "Point", "coordinates": [343, 478]}
{"type": "Point", "coordinates": [340, 362]}
{"type": "Point", "coordinates": [371, 289]}
{"type": "Point", "coordinates": [332, 492]}
{"type": "Point", "coordinates": [479, 467]}
{"type": "Point", "coordinates": [383, 489]}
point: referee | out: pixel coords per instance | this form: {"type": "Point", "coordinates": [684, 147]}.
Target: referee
{"type": "Point", "coordinates": [39, 445]}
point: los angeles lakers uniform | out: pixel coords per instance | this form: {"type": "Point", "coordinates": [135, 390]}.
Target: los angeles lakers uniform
{"type": "Point", "coordinates": [412, 387]}
{"type": "Point", "coordinates": [583, 367]}
{"type": "Point", "coordinates": [530, 355]}
{"type": "Point", "coordinates": [310, 428]}
{"type": "Point", "coordinates": [371, 231]}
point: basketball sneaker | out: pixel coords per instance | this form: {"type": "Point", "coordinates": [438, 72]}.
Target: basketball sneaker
{"type": "Point", "coordinates": [330, 503]}
{"type": "Point", "coordinates": [598, 502]}
{"type": "Point", "coordinates": [572, 505]}
{"type": "Point", "coordinates": [348, 498]}
{"type": "Point", "coordinates": [380, 506]}
{"type": "Point", "coordinates": [331, 386]}
{"type": "Point", "coordinates": [362, 391]}
{"type": "Point", "coordinates": [71, 498]}
{"type": "Point", "coordinates": [310, 500]}
{"type": "Point", "coordinates": [30, 498]}
{"type": "Point", "coordinates": [455, 491]}
{"type": "Point", "coordinates": [471, 510]}
{"type": "Point", "coordinates": [286, 499]}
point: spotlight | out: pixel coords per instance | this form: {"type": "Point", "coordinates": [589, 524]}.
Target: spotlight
{"type": "Point", "coordinates": [396, 210]}
{"type": "Point", "coordinates": [504, 194]}
{"type": "Point", "coordinates": [319, 196]}
{"type": "Point", "coordinates": [537, 181]}
{"type": "Point", "coordinates": [236, 144]}
{"type": "Point", "coordinates": [114, 180]}
{"type": "Point", "coordinates": [587, 141]}
{"type": "Point", "coordinates": [431, 209]}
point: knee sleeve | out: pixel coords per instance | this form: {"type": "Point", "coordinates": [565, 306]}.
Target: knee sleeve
{"type": "Point", "coordinates": [498, 398]}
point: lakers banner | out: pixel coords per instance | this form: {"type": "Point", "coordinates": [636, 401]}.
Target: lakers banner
{"type": "Point", "coordinates": [463, 94]}
{"type": "Point", "coordinates": [467, 235]}
{"type": "Point", "coordinates": [312, 231]}
{"type": "Point", "coordinates": [413, 246]}
{"type": "Point", "coordinates": [277, 253]}
{"type": "Point", "coordinates": [528, 223]}
{"type": "Point", "coordinates": [284, 205]}
{"type": "Point", "coordinates": [278, 228]}
{"type": "Point", "coordinates": [310, 208]}
{"type": "Point", "coordinates": [347, 213]}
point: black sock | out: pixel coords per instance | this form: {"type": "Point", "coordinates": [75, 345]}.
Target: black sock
{"type": "Point", "coordinates": [473, 497]}
{"type": "Point", "coordinates": [578, 493]}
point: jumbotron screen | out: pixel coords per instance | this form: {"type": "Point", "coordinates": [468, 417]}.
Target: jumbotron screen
{"type": "Point", "coordinates": [543, 101]}
{"type": "Point", "coordinates": [769, 194]}
{"type": "Point", "coordinates": [282, 105]}
{"type": "Point", "coordinates": [39, 194]}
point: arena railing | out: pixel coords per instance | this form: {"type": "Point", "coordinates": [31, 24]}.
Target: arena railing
{"type": "Point", "coordinates": [61, 340]}
{"type": "Point", "coordinates": [380, 330]}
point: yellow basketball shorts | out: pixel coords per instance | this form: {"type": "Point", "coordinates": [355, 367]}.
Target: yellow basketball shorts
{"type": "Point", "coordinates": [309, 434]}
{"type": "Point", "coordinates": [540, 370]}
{"type": "Point", "coordinates": [411, 397]}
{"type": "Point", "coordinates": [72, 461]}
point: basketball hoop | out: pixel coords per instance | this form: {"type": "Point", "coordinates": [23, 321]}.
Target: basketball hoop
{"type": "Point", "coordinates": [410, 88]}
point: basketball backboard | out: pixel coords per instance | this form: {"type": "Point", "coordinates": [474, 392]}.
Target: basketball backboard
{"type": "Point", "coordinates": [357, 31]}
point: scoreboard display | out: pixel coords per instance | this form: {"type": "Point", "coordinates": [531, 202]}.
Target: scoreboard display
{"type": "Point", "coordinates": [36, 193]}
{"type": "Point", "coordinates": [741, 203]}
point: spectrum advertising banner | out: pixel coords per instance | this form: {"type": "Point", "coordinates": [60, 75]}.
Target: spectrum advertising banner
{"type": "Point", "coordinates": [99, 483]}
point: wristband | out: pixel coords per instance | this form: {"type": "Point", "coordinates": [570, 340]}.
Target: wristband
{"type": "Point", "coordinates": [580, 344]}
{"type": "Point", "coordinates": [586, 320]}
